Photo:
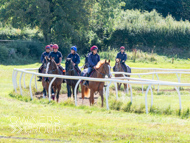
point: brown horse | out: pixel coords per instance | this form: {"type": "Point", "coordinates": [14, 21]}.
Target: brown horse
{"type": "Point", "coordinates": [52, 68]}
{"type": "Point", "coordinates": [102, 69]}
{"type": "Point", "coordinates": [118, 68]}
{"type": "Point", "coordinates": [45, 84]}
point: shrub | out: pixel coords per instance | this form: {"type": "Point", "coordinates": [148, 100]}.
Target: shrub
{"type": "Point", "coordinates": [3, 53]}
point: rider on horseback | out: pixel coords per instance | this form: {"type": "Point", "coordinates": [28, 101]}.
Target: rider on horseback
{"type": "Point", "coordinates": [123, 56]}
{"type": "Point", "coordinates": [93, 59]}
{"type": "Point", "coordinates": [57, 56]}
{"type": "Point", "coordinates": [75, 58]}
{"type": "Point", "coordinates": [44, 54]}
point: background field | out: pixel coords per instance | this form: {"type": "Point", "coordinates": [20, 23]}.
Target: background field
{"type": "Point", "coordinates": [39, 119]}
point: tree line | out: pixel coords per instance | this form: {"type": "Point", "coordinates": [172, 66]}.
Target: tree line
{"type": "Point", "coordinates": [156, 24]}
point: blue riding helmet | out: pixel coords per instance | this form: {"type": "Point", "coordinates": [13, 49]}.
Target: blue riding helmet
{"type": "Point", "coordinates": [74, 48]}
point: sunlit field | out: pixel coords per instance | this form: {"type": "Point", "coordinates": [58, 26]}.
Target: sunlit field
{"type": "Point", "coordinates": [23, 120]}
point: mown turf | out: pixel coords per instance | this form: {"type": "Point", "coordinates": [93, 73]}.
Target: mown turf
{"type": "Point", "coordinates": [43, 120]}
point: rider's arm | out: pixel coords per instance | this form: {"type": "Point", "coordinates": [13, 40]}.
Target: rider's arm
{"type": "Point", "coordinates": [42, 58]}
{"type": "Point", "coordinates": [60, 58]}
{"type": "Point", "coordinates": [78, 60]}
{"type": "Point", "coordinates": [90, 63]}
{"type": "Point", "coordinates": [125, 57]}
{"type": "Point", "coordinates": [117, 56]}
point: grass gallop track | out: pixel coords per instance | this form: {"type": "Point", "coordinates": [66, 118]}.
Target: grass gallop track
{"type": "Point", "coordinates": [22, 120]}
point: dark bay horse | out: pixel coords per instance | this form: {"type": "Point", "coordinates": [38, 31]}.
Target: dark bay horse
{"type": "Point", "coordinates": [102, 69]}
{"type": "Point", "coordinates": [52, 68]}
{"type": "Point", "coordinates": [119, 68]}
{"type": "Point", "coordinates": [71, 71]}
{"type": "Point", "coordinates": [45, 84]}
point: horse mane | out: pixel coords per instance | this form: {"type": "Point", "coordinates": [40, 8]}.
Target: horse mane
{"type": "Point", "coordinates": [100, 63]}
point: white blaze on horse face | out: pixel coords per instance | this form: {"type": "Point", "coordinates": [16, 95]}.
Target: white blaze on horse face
{"type": "Point", "coordinates": [47, 68]}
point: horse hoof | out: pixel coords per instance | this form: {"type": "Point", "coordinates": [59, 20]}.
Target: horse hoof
{"type": "Point", "coordinates": [53, 97]}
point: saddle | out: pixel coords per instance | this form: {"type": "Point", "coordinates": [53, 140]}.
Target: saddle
{"type": "Point", "coordinates": [85, 71]}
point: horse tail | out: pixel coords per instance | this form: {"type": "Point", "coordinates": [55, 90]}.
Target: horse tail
{"type": "Point", "coordinates": [85, 91]}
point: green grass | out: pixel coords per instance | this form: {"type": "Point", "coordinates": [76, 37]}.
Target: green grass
{"type": "Point", "coordinates": [37, 118]}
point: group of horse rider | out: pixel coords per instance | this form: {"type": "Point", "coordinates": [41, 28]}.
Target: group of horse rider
{"type": "Point", "coordinates": [93, 58]}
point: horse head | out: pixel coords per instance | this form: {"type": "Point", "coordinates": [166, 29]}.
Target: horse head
{"type": "Point", "coordinates": [69, 65]}
{"type": "Point", "coordinates": [118, 65]}
{"type": "Point", "coordinates": [51, 66]}
{"type": "Point", "coordinates": [104, 68]}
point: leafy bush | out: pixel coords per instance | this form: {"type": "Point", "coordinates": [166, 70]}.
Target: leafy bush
{"type": "Point", "coordinates": [3, 53]}
{"type": "Point", "coordinates": [150, 29]}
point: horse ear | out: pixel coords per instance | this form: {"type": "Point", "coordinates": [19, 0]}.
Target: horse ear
{"type": "Point", "coordinates": [105, 61]}
{"type": "Point", "coordinates": [119, 60]}
{"type": "Point", "coordinates": [109, 61]}
{"type": "Point", "coordinates": [51, 58]}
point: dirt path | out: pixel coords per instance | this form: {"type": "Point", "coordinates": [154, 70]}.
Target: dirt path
{"type": "Point", "coordinates": [64, 97]}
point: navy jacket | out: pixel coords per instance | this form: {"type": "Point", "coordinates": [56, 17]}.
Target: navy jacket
{"type": "Point", "coordinates": [93, 59]}
{"type": "Point", "coordinates": [56, 56]}
{"type": "Point", "coordinates": [123, 56]}
{"type": "Point", "coordinates": [75, 58]}
{"type": "Point", "coordinates": [44, 54]}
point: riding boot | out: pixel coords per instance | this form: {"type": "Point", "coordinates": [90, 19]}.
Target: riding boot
{"type": "Point", "coordinates": [86, 83]}
{"type": "Point", "coordinates": [40, 71]}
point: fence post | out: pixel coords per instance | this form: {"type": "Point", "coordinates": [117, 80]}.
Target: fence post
{"type": "Point", "coordinates": [107, 90]}
{"type": "Point", "coordinates": [20, 83]}
{"type": "Point", "coordinates": [179, 79]}
{"type": "Point", "coordinates": [146, 102]}
{"type": "Point", "coordinates": [158, 80]}
{"type": "Point", "coordinates": [177, 89]}
{"type": "Point", "coordinates": [49, 88]}
{"type": "Point", "coordinates": [75, 92]}
{"type": "Point", "coordinates": [31, 87]}
{"type": "Point", "coordinates": [142, 85]}
{"type": "Point", "coordinates": [24, 80]}
{"type": "Point", "coordinates": [15, 81]}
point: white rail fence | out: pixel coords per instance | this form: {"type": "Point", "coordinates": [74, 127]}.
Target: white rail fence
{"type": "Point", "coordinates": [136, 81]}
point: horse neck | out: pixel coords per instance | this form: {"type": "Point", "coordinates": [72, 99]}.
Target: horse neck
{"type": "Point", "coordinates": [120, 67]}
{"type": "Point", "coordinates": [98, 72]}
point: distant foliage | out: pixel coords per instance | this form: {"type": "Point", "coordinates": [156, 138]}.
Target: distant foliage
{"type": "Point", "coordinates": [151, 30]}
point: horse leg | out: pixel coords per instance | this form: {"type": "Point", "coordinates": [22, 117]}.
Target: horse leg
{"type": "Point", "coordinates": [58, 91]}
{"type": "Point", "coordinates": [53, 93]}
{"type": "Point", "coordinates": [102, 97]}
{"type": "Point", "coordinates": [91, 96]}
{"type": "Point", "coordinates": [73, 89]}
{"type": "Point", "coordinates": [82, 92]}
{"type": "Point", "coordinates": [44, 93]}
{"type": "Point", "coordinates": [125, 88]}
{"type": "Point", "coordinates": [68, 91]}
{"type": "Point", "coordinates": [119, 86]}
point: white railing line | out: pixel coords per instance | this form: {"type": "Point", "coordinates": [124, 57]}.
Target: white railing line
{"type": "Point", "coordinates": [149, 73]}
{"type": "Point", "coordinates": [159, 69]}
{"type": "Point", "coordinates": [105, 79]}
{"type": "Point", "coordinates": [112, 80]}
{"type": "Point", "coordinates": [140, 79]}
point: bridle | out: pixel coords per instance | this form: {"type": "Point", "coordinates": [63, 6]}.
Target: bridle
{"type": "Point", "coordinates": [100, 72]}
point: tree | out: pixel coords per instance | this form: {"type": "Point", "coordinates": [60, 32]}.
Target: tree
{"type": "Point", "coordinates": [56, 18]}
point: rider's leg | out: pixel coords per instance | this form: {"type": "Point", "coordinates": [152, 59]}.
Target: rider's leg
{"type": "Point", "coordinates": [86, 83]}
{"type": "Point", "coordinates": [77, 68]}
{"type": "Point", "coordinates": [62, 72]}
